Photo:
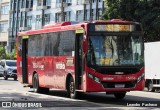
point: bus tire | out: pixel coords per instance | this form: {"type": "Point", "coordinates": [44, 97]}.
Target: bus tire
{"type": "Point", "coordinates": [120, 95]}
{"type": "Point", "coordinates": [35, 83]}
{"type": "Point", "coordinates": [36, 87]}
{"type": "Point", "coordinates": [71, 92]}
{"type": "Point", "coordinates": [150, 86]}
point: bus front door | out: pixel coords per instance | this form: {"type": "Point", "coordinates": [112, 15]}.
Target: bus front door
{"type": "Point", "coordinates": [78, 60]}
{"type": "Point", "coordinates": [24, 59]}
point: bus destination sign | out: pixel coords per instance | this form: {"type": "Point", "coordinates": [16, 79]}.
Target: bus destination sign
{"type": "Point", "coordinates": [114, 27]}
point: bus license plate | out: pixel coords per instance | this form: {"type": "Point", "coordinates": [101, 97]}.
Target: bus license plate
{"type": "Point", "coordinates": [119, 85]}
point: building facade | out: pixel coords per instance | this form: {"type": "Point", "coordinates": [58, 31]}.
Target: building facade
{"type": "Point", "coordinates": [34, 14]}
{"type": "Point", "coordinates": [4, 18]}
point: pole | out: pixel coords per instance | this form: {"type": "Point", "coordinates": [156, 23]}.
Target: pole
{"type": "Point", "coordinates": [97, 9]}
{"type": "Point", "coordinates": [91, 15]}
{"type": "Point", "coordinates": [62, 10]}
{"type": "Point", "coordinates": [84, 16]}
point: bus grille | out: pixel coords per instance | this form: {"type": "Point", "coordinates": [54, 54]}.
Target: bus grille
{"type": "Point", "coordinates": [112, 84]}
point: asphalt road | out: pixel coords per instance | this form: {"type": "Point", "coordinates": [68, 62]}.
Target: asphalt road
{"type": "Point", "coordinates": [13, 92]}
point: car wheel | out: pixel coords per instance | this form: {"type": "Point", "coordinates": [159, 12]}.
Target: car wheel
{"type": "Point", "coordinates": [5, 78]}
{"type": "Point", "coordinates": [15, 78]}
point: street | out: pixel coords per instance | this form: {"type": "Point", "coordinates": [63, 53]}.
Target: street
{"type": "Point", "coordinates": [15, 92]}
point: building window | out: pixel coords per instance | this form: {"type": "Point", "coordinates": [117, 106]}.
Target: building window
{"type": "Point", "coordinates": [22, 21]}
{"type": "Point", "coordinates": [87, 14]}
{"type": "Point", "coordinates": [18, 22]}
{"type": "Point", "coordinates": [39, 2]}
{"type": "Point", "coordinates": [29, 22]}
{"type": "Point", "coordinates": [15, 23]}
{"type": "Point", "coordinates": [38, 21]}
{"type": "Point", "coordinates": [79, 2]}
{"type": "Point", "coordinates": [92, 17]}
{"type": "Point", "coordinates": [11, 22]}
{"type": "Point", "coordinates": [4, 27]}
{"type": "Point", "coordinates": [5, 9]}
{"type": "Point", "coordinates": [47, 2]}
{"type": "Point", "coordinates": [58, 17]}
{"type": "Point", "coordinates": [68, 1]}
{"type": "Point", "coordinates": [23, 4]}
{"type": "Point", "coordinates": [99, 13]}
{"type": "Point", "coordinates": [67, 16]}
{"type": "Point", "coordinates": [58, 3]}
{"type": "Point", "coordinates": [29, 4]}
{"type": "Point", "coordinates": [79, 15]}
{"type": "Point", "coordinates": [46, 19]}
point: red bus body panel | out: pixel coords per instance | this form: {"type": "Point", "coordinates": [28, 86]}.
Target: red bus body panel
{"type": "Point", "coordinates": [53, 70]}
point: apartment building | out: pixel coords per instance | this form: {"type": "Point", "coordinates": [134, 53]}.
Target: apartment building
{"type": "Point", "coordinates": [34, 14]}
{"type": "Point", "coordinates": [4, 17]}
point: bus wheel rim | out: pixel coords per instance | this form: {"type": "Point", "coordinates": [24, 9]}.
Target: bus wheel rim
{"type": "Point", "coordinates": [72, 87]}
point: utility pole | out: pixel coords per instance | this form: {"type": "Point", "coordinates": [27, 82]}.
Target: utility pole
{"type": "Point", "coordinates": [103, 3]}
{"type": "Point", "coordinates": [97, 3]}
{"type": "Point", "coordinates": [91, 14]}
{"type": "Point", "coordinates": [62, 10]}
{"type": "Point", "coordinates": [84, 16]}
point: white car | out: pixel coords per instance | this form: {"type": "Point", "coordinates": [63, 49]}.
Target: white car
{"type": "Point", "coordinates": [10, 69]}
{"type": "Point", "coordinates": [1, 71]}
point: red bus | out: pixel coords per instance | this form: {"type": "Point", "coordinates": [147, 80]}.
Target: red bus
{"type": "Point", "coordinates": [97, 56]}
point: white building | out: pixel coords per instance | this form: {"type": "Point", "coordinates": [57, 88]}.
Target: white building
{"type": "Point", "coordinates": [4, 17]}
{"type": "Point", "coordinates": [34, 14]}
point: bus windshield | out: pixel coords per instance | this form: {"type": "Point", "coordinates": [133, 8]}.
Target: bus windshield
{"type": "Point", "coordinates": [118, 50]}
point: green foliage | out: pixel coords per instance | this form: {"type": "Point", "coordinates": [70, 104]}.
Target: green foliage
{"type": "Point", "coordinates": [5, 55]}
{"type": "Point", "coordinates": [146, 12]}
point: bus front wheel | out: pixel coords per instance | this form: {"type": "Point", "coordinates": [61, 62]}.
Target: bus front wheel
{"type": "Point", "coordinates": [72, 93]}
{"type": "Point", "coordinates": [120, 95]}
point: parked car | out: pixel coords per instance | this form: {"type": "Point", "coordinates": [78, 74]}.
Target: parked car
{"type": "Point", "coordinates": [9, 69]}
{"type": "Point", "coordinates": [1, 71]}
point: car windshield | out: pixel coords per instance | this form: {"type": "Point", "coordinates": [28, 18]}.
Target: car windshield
{"type": "Point", "coordinates": [11, 63]}
{"type": "Point", "coordinates": [122, 50]}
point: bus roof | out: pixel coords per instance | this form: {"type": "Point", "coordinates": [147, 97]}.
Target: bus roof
{"type": "Point", "coordinates": [62, 26]}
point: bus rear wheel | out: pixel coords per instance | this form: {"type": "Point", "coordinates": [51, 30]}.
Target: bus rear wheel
{"type": "Point", "coordinates": [120, 95]}
{"type": "Point", "coordinates": [36, 87]}
{"type": "Point", "coordinates": [72, 93]}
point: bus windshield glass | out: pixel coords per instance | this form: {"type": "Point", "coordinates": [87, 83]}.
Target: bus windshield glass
{"type": "Point", "coordinates": [118, 50]}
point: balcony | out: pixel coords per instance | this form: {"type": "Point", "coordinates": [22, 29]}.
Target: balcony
{"type": "Point", "coordinates": [5, 1]}
{"type": "Point", "coordinates": [11, 11]}
{"type": "Point", "coordinates": [25, 9]}
{"type": "Point", "coordinates": [67, 4]}
{"type": "Point", "coordinates": [24, 28]}
{"type": "Point", "coordinates": [43, 7]}
{"type": "Point", "coordinates": [9, 29]}
{"type": "Point", "coordinates": [12, 38]}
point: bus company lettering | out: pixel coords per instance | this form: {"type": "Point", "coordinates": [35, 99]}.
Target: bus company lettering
{"type": "Point", "coordinates": [60, 65]}
{"type": "Point", "coordinates": [38, 66]}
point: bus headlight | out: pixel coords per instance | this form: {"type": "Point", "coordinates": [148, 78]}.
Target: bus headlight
{"type": "Point", "coordinates": [140, 78]}
{"type": "Point", "coordinates": [96, 79]}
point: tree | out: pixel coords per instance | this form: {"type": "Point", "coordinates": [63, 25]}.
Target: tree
{"type": "Point", "coordinates": [146, 12]}
{"type": "Point", "coordinates": [5, 55]}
